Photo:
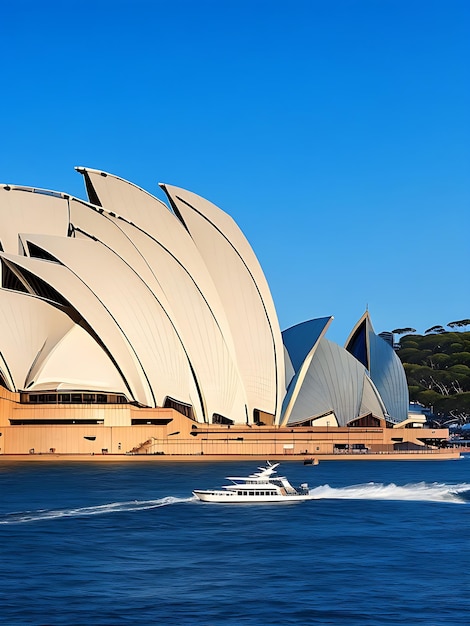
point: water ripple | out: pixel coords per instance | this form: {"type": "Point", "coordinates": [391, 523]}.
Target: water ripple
{"type": "Point", "coordinates": [424, 492]}
{"type": "Point", "coordinates": [113, 507]}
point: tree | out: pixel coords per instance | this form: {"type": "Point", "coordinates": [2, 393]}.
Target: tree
{"type": "Point", "coordinates": [428, 397]}
{"type": "Point", "coordinates": [414, 391]}
{"type": "Point", "coordinates": [459, 323]}
{"type": "Point", "coordinates": [461, 369]}
{"type": "Point", "coordinates": [408, 342]}
{"type": "Point", "coordinates": [403, 331]}
{"type": "Point", "coordinates": [461, 373]}
{"type": "Point", "coordinates": [411, 355]}
{"type": "Point", "coordinates": [460, 358]}
{"type": "Point", "coordinates": [439, 361]}
{"type": "Point", "coordinates": [437, 368]}
{"type": "Point", "coordinates": [435, 329]}
{"type": "Point", "coordinates": [457, 406]}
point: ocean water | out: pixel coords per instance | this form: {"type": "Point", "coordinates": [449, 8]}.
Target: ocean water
{"type": "Point", "coordinates": [384, 543]}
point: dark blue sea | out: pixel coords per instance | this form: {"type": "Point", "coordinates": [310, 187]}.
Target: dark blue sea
{"type": "Point", "coordinates": [384, 543]}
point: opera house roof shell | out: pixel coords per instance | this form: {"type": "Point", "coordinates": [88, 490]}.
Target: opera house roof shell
{"type": "Point", "coordinates": [122, 295]}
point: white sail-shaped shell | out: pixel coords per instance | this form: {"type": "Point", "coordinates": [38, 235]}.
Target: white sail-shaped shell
{"type": "Point", "coordinates": [334, 382]}
{"type": "Point", "coordinates": [384, 366]}
{"type": "Point", "coordinates": [245, 295]}
{"type": "Point", "coordinates": [183, 301]}
{"type": "Point", "coordinates": [45, 349]}
{"type": "Point", "coordinates": [89, 307]}
{"type": "Point", "coordinates": [29, 210]}
{"type": "Point", "coordinates": [134, 309]}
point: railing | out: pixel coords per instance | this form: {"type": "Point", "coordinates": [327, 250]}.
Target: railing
{"type": "Point", "coordinates": [271, 447]}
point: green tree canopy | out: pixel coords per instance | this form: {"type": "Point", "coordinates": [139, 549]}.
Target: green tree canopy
{"type": "Point", "coordinates": [435, 329]}
{"type": "Point", "coordinates": [459, 323]}
{"type": "Point", "coordinates": [460, 369]}
{"type": "Point", "coordinates": [460, 358]}
{"type": "Point", "coordinates": [410, 355]}
{"type": "Point", "coordinates": [458, 405]}
{"type": "Point", "coordinates": [402, 331]}
{"type": "Point", "coordinates": [437, 368]}
{"type": "Point", "coordinates": [428, 397]}
{"type": "Point", "coordinates": [440, 360]}
{"type": "Point", "coordinates": [408, 342]}
{"type": "Point", "coordinates": [414, 391]}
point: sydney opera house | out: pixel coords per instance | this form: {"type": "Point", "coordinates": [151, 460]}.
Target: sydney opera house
{"type": "Point", "coordinates": [133, 327]}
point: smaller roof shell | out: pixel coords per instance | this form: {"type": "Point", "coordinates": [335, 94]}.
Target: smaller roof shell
{"type": "Point", "coordinates": [384, 366]}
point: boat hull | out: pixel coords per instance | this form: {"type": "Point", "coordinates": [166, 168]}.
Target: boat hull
{"type": "Point", "coordinates": [228, 497]}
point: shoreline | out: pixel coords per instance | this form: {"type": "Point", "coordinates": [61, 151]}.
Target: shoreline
{"type": "Point", "coordinates": [437, 455]}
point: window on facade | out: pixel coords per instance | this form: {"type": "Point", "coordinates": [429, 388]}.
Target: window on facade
{"type": "Point", "coordinates": [73, 397]}
{"type": "Point", "coordinates": [51, 422]}
{"type": "Point", "coordinates": [38, 253]}
{"type": "Point", "coordinates": [221, 419]}
{"type": "Point", "coordinates": [154, 421]}
{"type": "Point", "coordinates": [184, 409]}
{"type": "Point", "coordinates": [43, 289]}
{"type": "Point", "coordinates": [92, 195]}
{"type": "Point", "coordinates": [358, 346]}
{"type": "Point", "coordinates": [3, 381]}
{"type": "Point", "coordinates": [10, 280]}
{"type": "Point", "coordinates": [365, 422]}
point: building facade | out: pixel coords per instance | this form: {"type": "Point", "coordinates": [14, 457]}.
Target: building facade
{"type": "Point", "coordinates": [126, 325]}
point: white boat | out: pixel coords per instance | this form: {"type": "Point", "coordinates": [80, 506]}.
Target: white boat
{"type": "Point", "coordinates": [262, 486]}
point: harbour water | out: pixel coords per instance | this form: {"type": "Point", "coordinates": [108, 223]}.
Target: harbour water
{"type": "Point", "coordinates": [384, 543]}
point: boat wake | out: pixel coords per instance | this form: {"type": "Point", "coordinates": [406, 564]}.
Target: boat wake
{"type": "Point", "coordinates": [114, 507]}
{"type": "Point", "coordinates": [425, 492]}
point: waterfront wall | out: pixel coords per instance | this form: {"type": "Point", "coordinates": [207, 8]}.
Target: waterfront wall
{"type": "Point", "coordinates": [172, 440]}
{"type": "Point", "coordinates": [117, 429]}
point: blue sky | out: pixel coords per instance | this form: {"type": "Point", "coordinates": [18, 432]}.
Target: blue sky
{"type": "Point", "coordinates": [335, 132]}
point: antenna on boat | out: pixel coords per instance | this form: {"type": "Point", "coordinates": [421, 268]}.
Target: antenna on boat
{"type": "Point", "coordinates": [270, 467]}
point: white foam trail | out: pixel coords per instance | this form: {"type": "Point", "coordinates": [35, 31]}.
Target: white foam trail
{"type": "Point", "coordinates": [113, 507]}
{"type": "Point", "coordinates": [425, 492]}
